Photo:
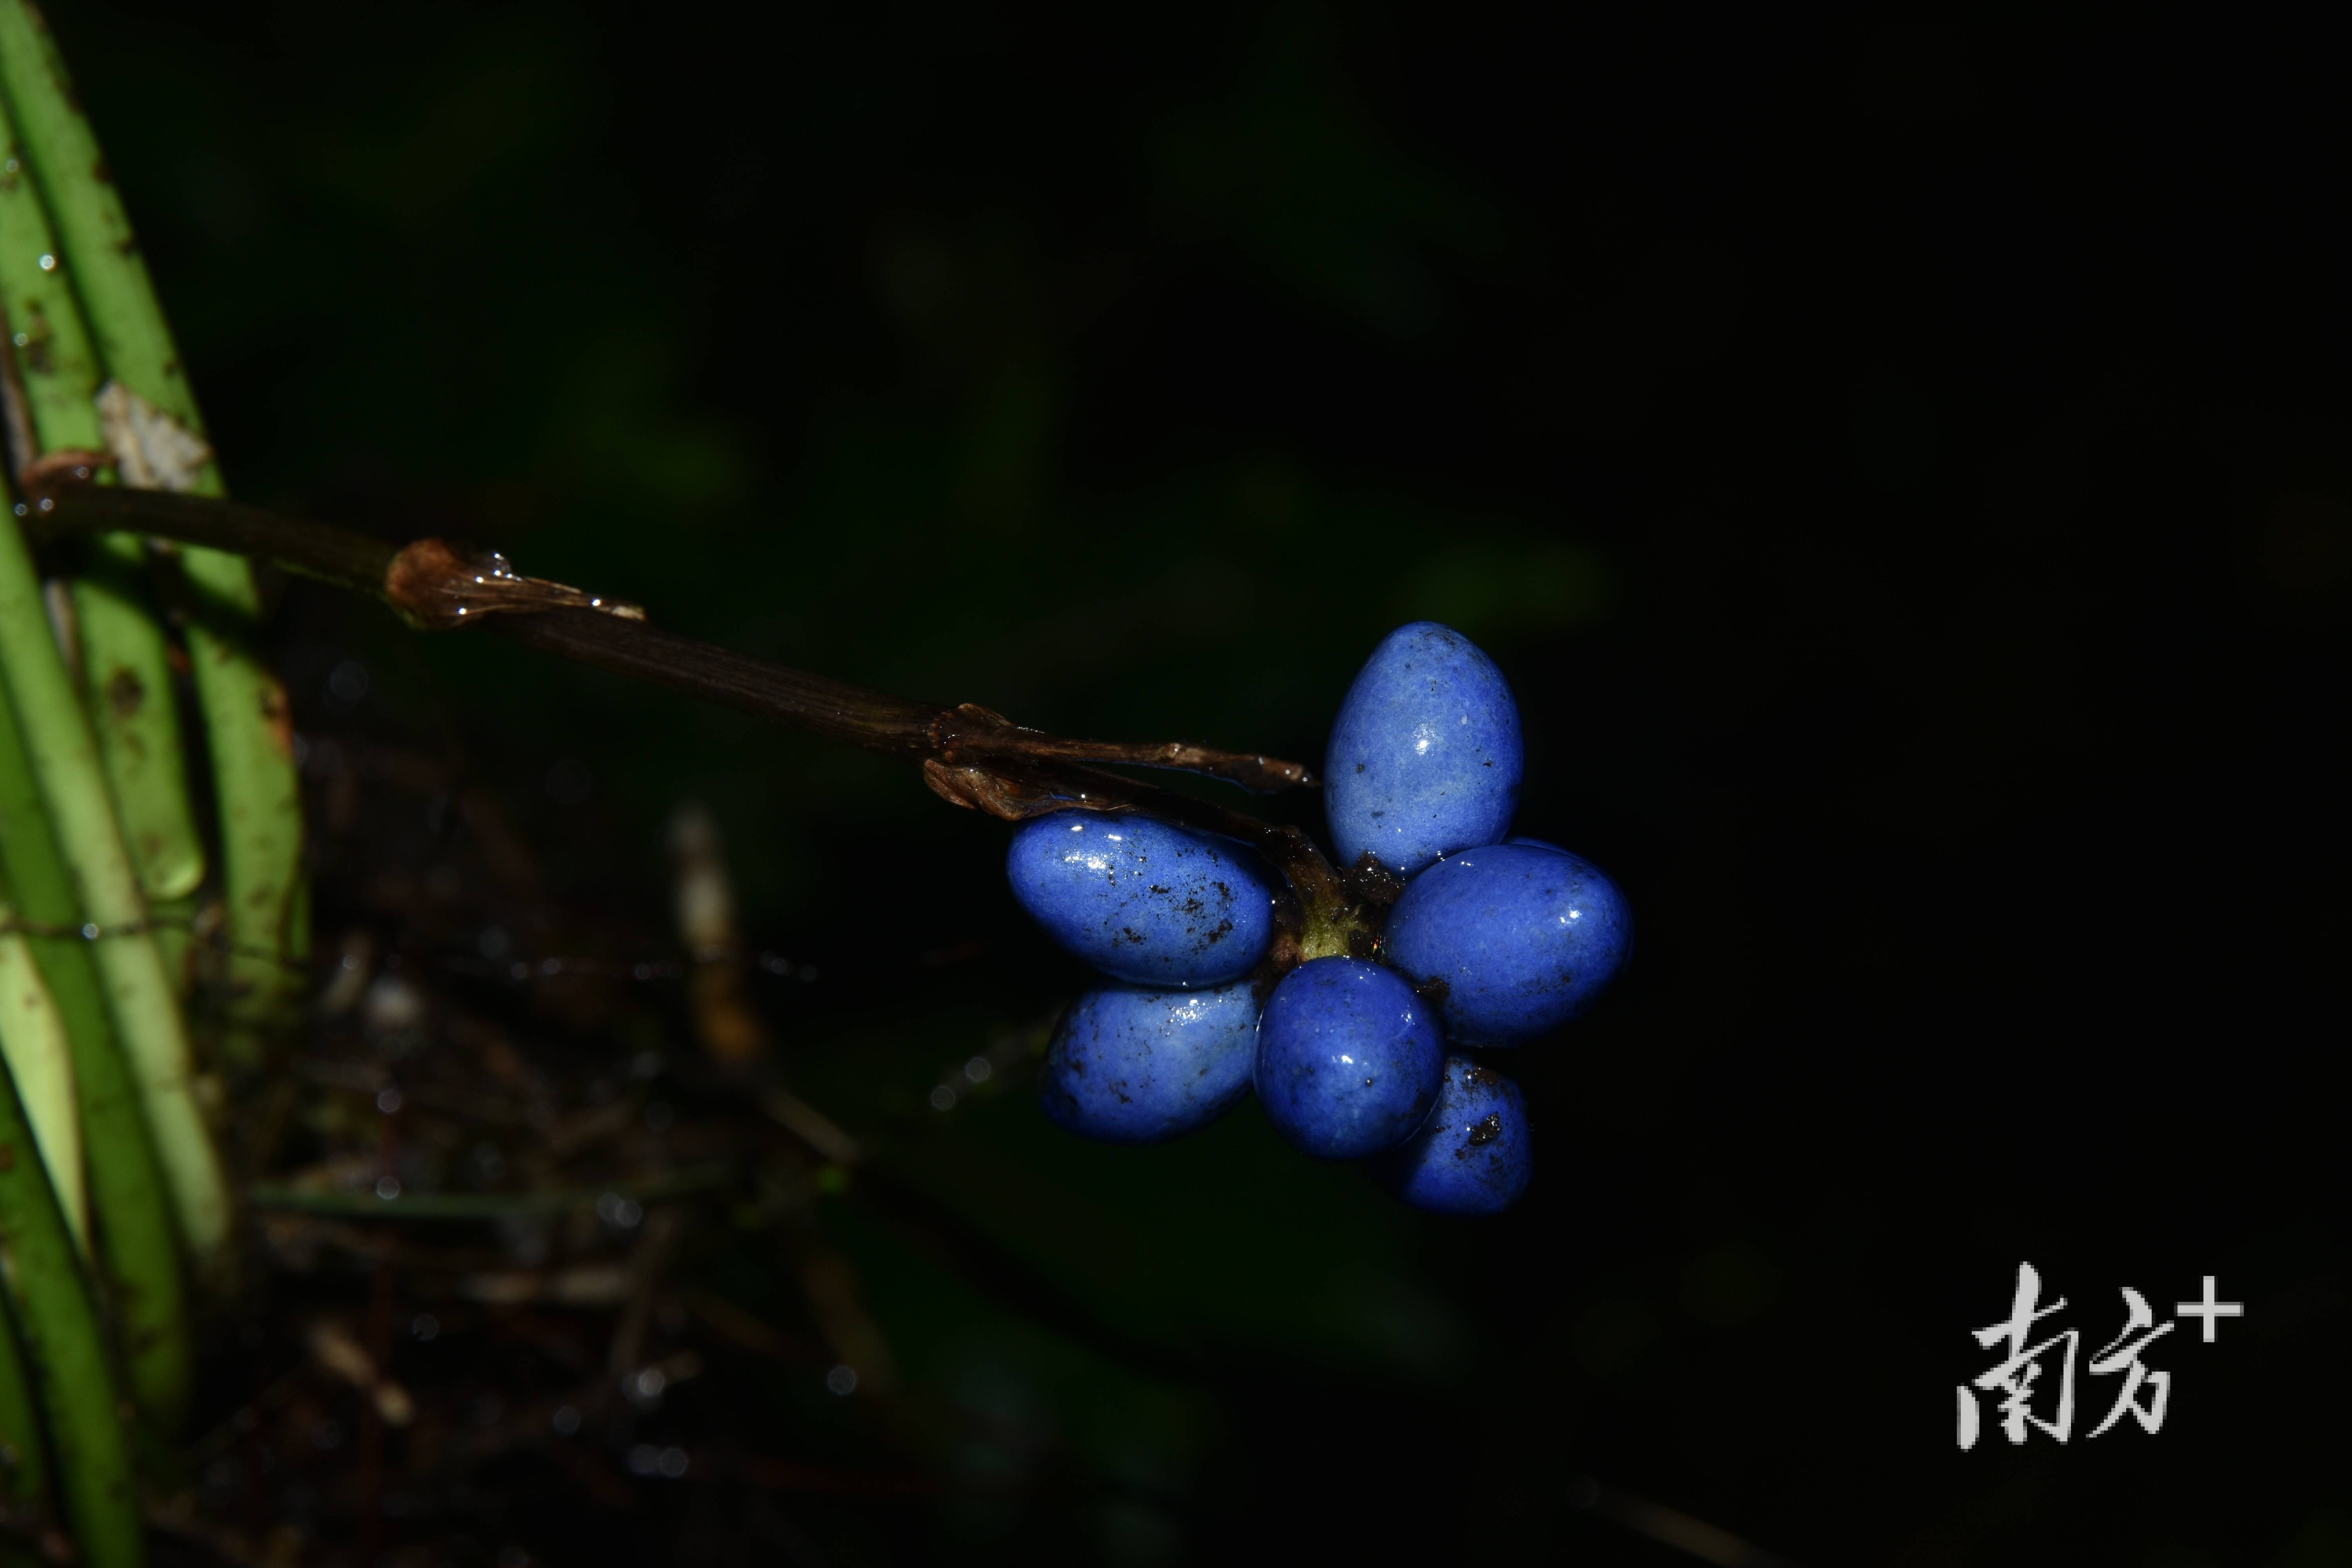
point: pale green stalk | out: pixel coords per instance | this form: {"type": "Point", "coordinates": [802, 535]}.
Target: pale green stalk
{"type": "Point", "coordinates": [66, 1354]}
{"type": "Point", "coordinates": [32, 1043]}
{"type": "Point", "coordinates": [138, 988]}
{"type": "Point", "coordinates": [126, 667]}
{"type": "Point", "coordinates": [248, 727]}
{"type": "Point", "coordinates": [138, 1249]}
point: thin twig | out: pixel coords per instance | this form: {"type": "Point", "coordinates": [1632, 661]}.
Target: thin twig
{"type": "Point", "coordinates": [969, 754]}
{"type": "Point", "coordinates": [435, 584]}
{"type": "Point", "coordinates": [176, 1518]}
{"type": "Point", "coordinates": [483, 1205]}
{"type": "Point", "coordinates": [1671, 1527]}
{"type": "Point", "coordinates": [90, 930]}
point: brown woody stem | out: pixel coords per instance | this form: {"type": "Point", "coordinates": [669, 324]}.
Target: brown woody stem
{"type": "Point", "coordinates": [970, 755]}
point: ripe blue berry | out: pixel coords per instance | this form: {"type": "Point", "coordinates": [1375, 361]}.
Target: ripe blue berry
{"type": "Point", "coordinates": [1348, 1058]}
{"type": "Point", "coordinates": [1132, 1066]}
{"type": "Point", "coordinates": [1143, 902]}
{"type": "Point", "coordinates": [1473, 1154]}
{"type": "Point", "coordinates": [1425, 756]}
{"type": "Point", "coordinates": [1524, 938]}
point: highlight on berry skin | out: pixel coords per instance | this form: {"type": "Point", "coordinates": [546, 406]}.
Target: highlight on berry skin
{"type": "Point", "coordinates": [1349, 1059]}
{"type": "Point", "coordinates": [1142, 902]}
{"type": "Point", "coordinates": [1425, 755]}
{"type": "Point", "coordinates": [1132, 1065]}
{"type": "Point", "coordinates": [1498, 942]}
{"type": "Point", "coordinates": [1523, 937]}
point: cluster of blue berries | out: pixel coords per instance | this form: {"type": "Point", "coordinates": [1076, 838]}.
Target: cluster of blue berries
{"type": "Point", "coordinates": [1494, 942]}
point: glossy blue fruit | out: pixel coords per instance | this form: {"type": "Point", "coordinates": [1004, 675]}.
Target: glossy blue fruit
{"type": "Point", "coordinates": [1425, 756]}
{"type": "Point", "coordinates": [1128, 1065]}
{"type": "Point", "coordinates": [1524, 936]}
{"type": "Point", "coordinates": [1473, 1154]}
{"type": "Point", "coordinates": [1348, 1058]}
{"type": "Point", "coordinates": [1143, 902]}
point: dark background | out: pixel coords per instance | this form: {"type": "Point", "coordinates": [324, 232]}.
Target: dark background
{"type": "Point", "coordinates": [1903, 469]}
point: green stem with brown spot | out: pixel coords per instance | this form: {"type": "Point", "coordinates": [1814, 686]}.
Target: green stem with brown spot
{"type": "Point", "coordinates": [53, 380]}
{"type": "Point", "coordinates": [246, 723]}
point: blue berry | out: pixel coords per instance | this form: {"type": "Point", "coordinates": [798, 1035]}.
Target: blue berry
{"type": "Point", "coordinates": [1143, 902]}
{"type": "Point", "coordinates": [1425, 756]}
{"type": "Point", "coordinates": [1348, 1058]}
{"type": "Point", "coordinates": [1524, 938]}
{"type": "Point", "coordinates": [1473, 1154]}
{"type": "Point", "coordinates": [1132, 1066]}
